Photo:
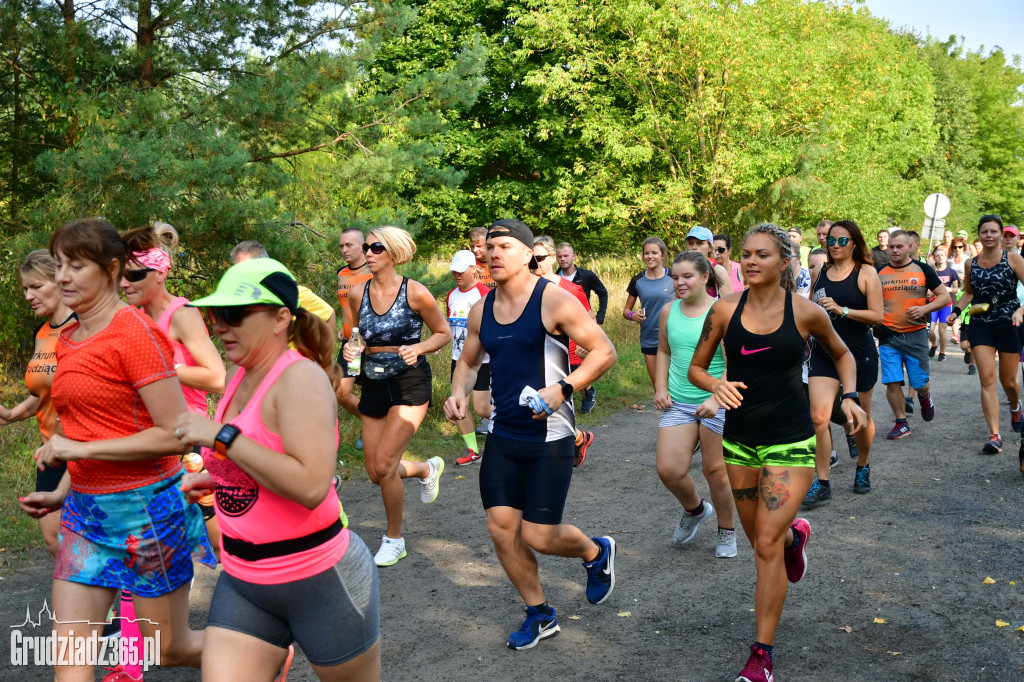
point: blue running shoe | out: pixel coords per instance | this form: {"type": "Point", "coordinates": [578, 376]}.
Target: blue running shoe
{"type": "Point", "coordinates": [536, 627]}
{"type": "Point", "coordinates": [601, 571]}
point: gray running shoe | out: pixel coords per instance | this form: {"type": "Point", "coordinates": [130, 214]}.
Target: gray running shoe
{"type": "Point", "coordinates": [689, 524]}
{"type": "Point", "coordinates": [726, 548]}
{"type": "Point", "coordinates": [484, 427]}
{"type": "Point", "coordinates": [429, 486]}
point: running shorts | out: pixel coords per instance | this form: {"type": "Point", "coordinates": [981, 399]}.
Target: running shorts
{"type": "Point", "coordinates": [1004, 337]}
{"type": "Point", "coordinates": [483, 376]}
{"type": "Point", "coordinates": [865, 357]}
{"type": "Point", "coordinates": [649, 350]}
{"type": "Point", "coordinates": [680, 414]}
{"type": "Point", "coordinates": [49, 478]}
{"type": "Point", "coordinates": [531, 477]}
{"type": "Point", "coordinates": [142, 540]}
{"type": "Point", "coordinates": [334, 615]}
{"type": "Point", "coordinates": [799, 454]}
{"type": "Point", "coordinates": [411, 387]}
{"type": "Point", "coordinates": [940, 316]}
{"type": "Point", "coordinates": [909, 350]}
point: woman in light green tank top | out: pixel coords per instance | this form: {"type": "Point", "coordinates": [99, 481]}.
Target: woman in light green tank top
{"type": "Point", "coordinates": [689, 414]}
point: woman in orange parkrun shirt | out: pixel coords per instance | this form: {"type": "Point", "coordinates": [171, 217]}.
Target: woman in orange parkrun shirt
{"type": "Point", "coordinates": [36, 275]}
{"type": "Point", "coordinates": [196, 360]}
{"type": "Point", "coordinates": [126, 524]}
{"type": "Point", "coordinates": [292, 571]}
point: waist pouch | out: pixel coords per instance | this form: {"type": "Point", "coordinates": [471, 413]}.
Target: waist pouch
{"type": "Point", "coordinates": [254, 551]}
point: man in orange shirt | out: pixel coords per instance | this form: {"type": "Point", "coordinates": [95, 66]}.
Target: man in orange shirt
{"type": "Point", "coordinates": [355, 272]}
{"type": "Point", "coordinates": [902, 337]}
{"type": "Point", "coordinates": [477, 239]}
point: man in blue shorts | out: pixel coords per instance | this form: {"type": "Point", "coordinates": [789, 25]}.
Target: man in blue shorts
{"type": "Point", "coordinates": [524, 325]}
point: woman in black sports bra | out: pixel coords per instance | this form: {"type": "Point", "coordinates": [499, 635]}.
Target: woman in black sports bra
{"type": "Point", "coordinates": [769, 435]}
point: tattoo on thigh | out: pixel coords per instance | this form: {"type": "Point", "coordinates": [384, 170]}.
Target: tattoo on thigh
{"type": "Point", "coordinates": [774, 489]}
{"type": "Point", "coordinates": [745, 494]}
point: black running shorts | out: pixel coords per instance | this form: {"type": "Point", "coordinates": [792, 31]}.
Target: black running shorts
{"type": "Point", "coordinates": [531, 477]}
{"type": "Point", "coordinates": [1001, 336]}
{"type": "Point", "coordinates": [411, 387]}
{"type": "Point", "coordinates": [483, 376]}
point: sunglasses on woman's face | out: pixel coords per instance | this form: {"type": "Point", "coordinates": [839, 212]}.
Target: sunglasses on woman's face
{"type": "Point", "coordinates": [234, 315]}
{"type": "Point", "coordinates": [540, 259]}
{"type": "Point", "coordinates": [720, 249]}
{"type": "Point", "coordinates": [376, 248]}
{"type": "Point", "coordinates": [842, 241]}
{"type": "Point", "coordinates": [137, 275]}
{"type": "Point", "coordinates": [958, 248]}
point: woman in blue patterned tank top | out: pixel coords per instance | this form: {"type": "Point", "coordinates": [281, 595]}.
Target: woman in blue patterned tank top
{"type": "Point", "coordinates": [395, 379]}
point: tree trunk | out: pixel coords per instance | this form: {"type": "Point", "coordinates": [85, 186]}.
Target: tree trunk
{"type": "Point", "coordinates": [144, 41]}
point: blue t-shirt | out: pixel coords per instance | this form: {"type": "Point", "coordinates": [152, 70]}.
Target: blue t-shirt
{"type": "Point", "coordinates": [653, 294]}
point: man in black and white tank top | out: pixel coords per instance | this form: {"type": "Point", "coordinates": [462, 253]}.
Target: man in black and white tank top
{"type": "Point", "coordinates": [525, 325]}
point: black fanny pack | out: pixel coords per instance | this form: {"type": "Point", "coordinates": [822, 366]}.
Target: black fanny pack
{"type": "Point", "coordinates": [253, 551]}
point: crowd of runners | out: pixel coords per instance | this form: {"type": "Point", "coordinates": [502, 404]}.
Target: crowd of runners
{"type": "Point", "coordinates": [753, 350]}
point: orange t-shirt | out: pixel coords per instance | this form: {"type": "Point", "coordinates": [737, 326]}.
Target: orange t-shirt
{"type": "Point", "coordinates": [904, 287]}
{"type": "Point", "coordinates": [39, 374]}
{"type": "Point", "coordinates": [348, 278]}
{"type": "Point", "coordinates": [96, 393]}
{"type": "Point", "coordinates": [483, 274]}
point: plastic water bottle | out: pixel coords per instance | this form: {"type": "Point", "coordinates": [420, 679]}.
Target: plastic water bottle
{"type": "Point", "coordinates": [355, 365]}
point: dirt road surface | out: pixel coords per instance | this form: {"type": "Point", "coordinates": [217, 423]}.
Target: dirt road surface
{"type": "Point", "coordinates": [914, 553]}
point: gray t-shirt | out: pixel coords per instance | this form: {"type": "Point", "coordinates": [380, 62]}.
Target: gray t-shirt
{"type": "Point", "coordinates": [653, 294]}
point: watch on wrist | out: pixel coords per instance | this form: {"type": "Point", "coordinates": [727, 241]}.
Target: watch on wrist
{"type": "Point", "coordinates": [567, 389]}
{"type": "Point", "coordinates": [846, 311]}
{"type": "Point", "coordinates": [852, 396]}
{"type": "Point", "coordinates": [225, 437]}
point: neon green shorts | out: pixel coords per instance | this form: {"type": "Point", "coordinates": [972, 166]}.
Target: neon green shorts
{"type": "Point", "coordinates": [799, 454]}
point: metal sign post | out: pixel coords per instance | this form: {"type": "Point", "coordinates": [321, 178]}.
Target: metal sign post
{"type": "Point", "coordinates": [936, 208]}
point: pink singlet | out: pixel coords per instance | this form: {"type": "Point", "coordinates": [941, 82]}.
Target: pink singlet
{"type": "Point", "coordinates": [248, 511]}
{"type": "Point", "coordinates": [194, 398]}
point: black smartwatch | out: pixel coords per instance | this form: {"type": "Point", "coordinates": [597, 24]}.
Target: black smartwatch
{"type": "Point", "coordinates": [225, 437]}
{"type": "Point", "coordinates": [852, 396]}
{"type": "Point", "coordinates": [567, 389]}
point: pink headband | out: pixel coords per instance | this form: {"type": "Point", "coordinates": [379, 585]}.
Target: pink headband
{"type": "Point", "coordinates": [155, 259]}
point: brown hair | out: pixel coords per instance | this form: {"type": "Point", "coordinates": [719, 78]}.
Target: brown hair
{"type": "Point", "coordinates": [92, 239]}
{"type": "Point", "coordinates": [787, 280]}
{"type": "Point", "coordinates": [38, 262]}
{"type": "Point", "coordinates": [314, 340]}
{"type": "Point", "coordinates": [159, 235]}
{"type": "Point", "coordinates": [861, 255]}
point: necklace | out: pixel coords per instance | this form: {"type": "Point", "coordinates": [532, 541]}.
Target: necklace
{"type": "Point", "coordinates": [387, 294]}
{"type": "Point", "coordinates": [843, 275]}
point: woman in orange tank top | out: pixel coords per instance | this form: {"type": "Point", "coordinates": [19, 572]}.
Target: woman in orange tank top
{"type": "Point", "coordinates": [36, 276]}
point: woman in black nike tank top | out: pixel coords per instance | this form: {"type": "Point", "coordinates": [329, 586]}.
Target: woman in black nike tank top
{"type": "Point", "coordinates": [769, 436]}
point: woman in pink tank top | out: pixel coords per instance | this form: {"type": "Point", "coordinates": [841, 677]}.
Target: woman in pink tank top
{"type": "Point", "coordinates": [292, 571]}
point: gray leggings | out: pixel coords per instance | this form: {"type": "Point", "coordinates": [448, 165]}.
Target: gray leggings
{"type": "Point", "coordinates": [334, 615]}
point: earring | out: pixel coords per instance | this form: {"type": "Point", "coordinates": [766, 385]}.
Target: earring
{"type": "Point", "coordinates": [277, 331]}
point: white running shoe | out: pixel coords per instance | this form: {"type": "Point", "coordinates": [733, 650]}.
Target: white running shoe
{"type": "Point", "coordinates": [390, 551]}
{"type": "Point", "coordinates": [726, 548]}
{"type": "Point", "coordinates": [429, 485]}
{"type": "Point", "coordinates": [689, 524]}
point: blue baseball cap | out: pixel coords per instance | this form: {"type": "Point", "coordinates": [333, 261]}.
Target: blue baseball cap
{"type": "Point", "coordinates": [702, 233]}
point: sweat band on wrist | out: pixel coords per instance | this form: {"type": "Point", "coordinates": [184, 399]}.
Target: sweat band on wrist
{"type": "Point", "coordinates": [630, 315]}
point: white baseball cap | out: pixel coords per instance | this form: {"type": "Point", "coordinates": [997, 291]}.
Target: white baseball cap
{"type": "Point", "coordinates": [462, 261]}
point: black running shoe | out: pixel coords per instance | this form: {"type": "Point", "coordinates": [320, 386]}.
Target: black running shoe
{"type": "Point", "coordinates": [862, 483]}
{"type": "Point", "coordinates": [910, 405]}
{"type": "Point", "coordinates": [967, 357]}
{"type": "Point", "coordinates": [972, 370]}
{"type": "Point", "coordinates": [942, 357]}
{"type": "Point", "coordinates": [817, 495]}
{"type": "Point", "coordinates": [931, 351]}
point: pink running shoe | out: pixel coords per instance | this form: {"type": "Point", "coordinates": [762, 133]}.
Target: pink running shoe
{"type": "Point", "coordinates": [796, 558]}
{"type": "Point", "coordinates": [758, 667]}
{"type": "Point", "coordinates": [119, 674]}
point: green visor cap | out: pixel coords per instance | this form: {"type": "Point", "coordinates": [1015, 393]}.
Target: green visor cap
{"type": "Point", "coordinates": [252, 282]}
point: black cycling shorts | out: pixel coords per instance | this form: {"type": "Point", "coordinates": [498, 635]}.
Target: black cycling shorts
{"type": "Point", "coordinates": [411, 387]}
{"type": "Point", "coordinates": [531, 477]}
{"type": "Point", "coordinates": [483, 377]}
{"type": "Point", "coordinates": [865, 357]}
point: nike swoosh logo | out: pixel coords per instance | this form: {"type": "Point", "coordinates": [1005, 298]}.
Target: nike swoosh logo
{"type": "Point", "coordinates": [547, 626]}
{"type": "Point", "coordinates": [744, 351]}
{"type": "Point", "coordinates": [768, 675]}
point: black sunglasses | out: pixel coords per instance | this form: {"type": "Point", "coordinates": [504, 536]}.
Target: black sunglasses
{"type": "Point", "coordinates": [377, 248]}
{"type": "Point", "coordinates": [832, 241]}
{"type": "Point", "coordinates": [540, 259]}
{"type": "Point", "coordinates": [721, 249]}
{"type": "Point", "coordinates": [234, 315]}
{"type": "Point", "coordinates": [137, 275]}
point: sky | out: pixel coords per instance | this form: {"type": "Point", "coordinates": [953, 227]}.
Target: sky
{"type": "Point", "coordinates": [987, 23]}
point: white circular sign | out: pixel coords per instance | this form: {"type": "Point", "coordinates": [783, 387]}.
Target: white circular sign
{"type": "Point", "coordinates": [936, 206]}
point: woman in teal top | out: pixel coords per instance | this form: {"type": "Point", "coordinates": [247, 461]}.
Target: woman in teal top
{"type": "Point", "coordinates": [689, 414]}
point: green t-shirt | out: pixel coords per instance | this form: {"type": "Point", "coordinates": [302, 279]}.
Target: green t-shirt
{"type": "Point", "coordinates": [682, 333]}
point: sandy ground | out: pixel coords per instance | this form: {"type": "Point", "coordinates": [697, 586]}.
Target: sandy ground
{"type": "Point", "coordinates": [915, 552]}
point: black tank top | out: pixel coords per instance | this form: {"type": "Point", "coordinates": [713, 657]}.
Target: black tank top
{"type": "Point", "coordinates": [774, 410]}
{"type": "Point", "coordinates": [996, 286]}
{"type": "Point", "coordinates": [399, 326]}
{"type": "Point", "coordinates": [845, 293]}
